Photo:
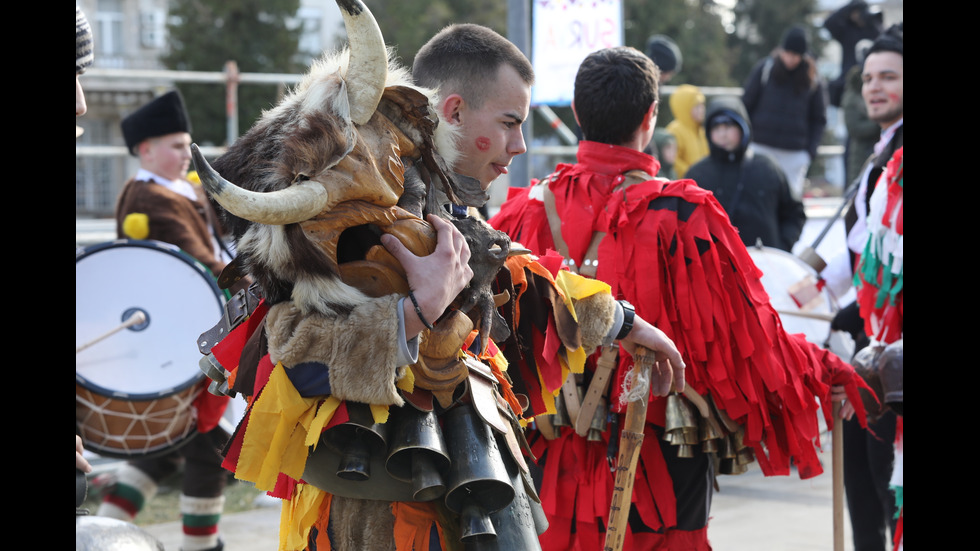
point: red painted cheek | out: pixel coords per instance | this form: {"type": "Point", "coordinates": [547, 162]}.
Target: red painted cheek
{"type": "Point", "coordinates": [894, 97]}
{"type": "Point", "coordinates": [483, 143]}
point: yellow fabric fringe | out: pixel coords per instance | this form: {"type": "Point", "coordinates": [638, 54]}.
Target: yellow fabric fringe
{"type": "Point", "coordinates": [299, 514]}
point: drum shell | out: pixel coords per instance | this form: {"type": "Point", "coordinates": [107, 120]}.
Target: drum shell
{"type": "Point", "coordinates": [787, 280]}
{"type": "Point", "coordinates": [135, 387]}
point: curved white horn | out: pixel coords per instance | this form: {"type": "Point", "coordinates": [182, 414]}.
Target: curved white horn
{"type": "Point", "coordinates": [367, 71]}
{"type": "Point", "coordinates": [294, 204]}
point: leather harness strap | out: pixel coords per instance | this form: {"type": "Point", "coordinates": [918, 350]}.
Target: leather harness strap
{"type": "Point", "coordinates": [597, 389]}
{"type": "Point", "coordinates": [582, 409]}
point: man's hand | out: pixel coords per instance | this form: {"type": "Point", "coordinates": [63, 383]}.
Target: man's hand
{"type": "Point", "coordinates": [837, 394]}
{"type": "Point", "coordinates": [668, 369]}
{"type": "Point", "coordinates": [81, 463]}
{"type": "Point", "coordinates": [435, 279]}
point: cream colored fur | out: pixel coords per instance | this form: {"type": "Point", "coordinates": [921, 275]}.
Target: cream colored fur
{"type": "Point", "coordinates": [596, 315]}
{"type": "Point", "coordinates": [360, 349]}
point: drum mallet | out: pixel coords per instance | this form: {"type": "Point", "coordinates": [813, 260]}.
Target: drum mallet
{"type": "Point", "coordinates": [136, 318]}
{"type": "Point", "coordinates": [809, 254]}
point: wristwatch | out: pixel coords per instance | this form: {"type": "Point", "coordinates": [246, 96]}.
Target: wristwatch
{"type": "Point", "coordinates": [629, 312]}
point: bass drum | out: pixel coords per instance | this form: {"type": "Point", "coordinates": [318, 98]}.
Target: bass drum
{"type": "Point", "coordinates": [792, 287]}
{"type": "Point", "coordinates": [135, 384]}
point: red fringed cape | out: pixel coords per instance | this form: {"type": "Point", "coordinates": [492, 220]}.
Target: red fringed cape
{"type": "Point", "coordinates": [672, 252]}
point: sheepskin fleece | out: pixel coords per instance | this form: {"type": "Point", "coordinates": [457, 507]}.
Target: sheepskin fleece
{"type": "Point", "coordinates": [361, 525]}
{"type": "Point", "coordinates": [359, 349]}
{"type": "Point", "coordinates": [596, 314]}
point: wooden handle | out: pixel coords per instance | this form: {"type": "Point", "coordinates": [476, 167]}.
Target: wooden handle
{"type": "Point", "coordinates": [630, 441]}
{"type": "Point", "coordinates": [837, 442]}
{"type": "Point", "coordinates": [136, 318]}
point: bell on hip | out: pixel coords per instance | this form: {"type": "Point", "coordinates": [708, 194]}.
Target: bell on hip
{"type": "Point", "coordinates": [680, 414]}
{"type": "Point", "coordinates": [866, 363]}
{"type": "Point", "coordinates": [682, 425]}
{"type": "Point", "coordinates": [476, 525]}
{"type": "Point", "coordinates": [418, 453]}
{"type": "Point", "coordinates": [518, 525]}
{"type": "Point", "coordinates": [709, 435]}
{"type": "Point", "coordinates": [560, 418]}
{"type": "Point", "coordinates": [728, 465]}
{"type": "Point", "coordinates": [357, 441]}
{"type": "Point", "coordinates": [478, 482]}
{"type": "Point", "coordinates": [598, 424]}
{"type": "Point", "coordinates": [891, 370]}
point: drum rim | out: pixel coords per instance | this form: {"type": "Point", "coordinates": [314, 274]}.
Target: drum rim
{"type": "Point", "coordinates": [173, 250]}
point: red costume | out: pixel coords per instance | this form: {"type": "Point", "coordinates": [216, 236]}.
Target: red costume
{"type": "Point", "coordinates": [671, 251]}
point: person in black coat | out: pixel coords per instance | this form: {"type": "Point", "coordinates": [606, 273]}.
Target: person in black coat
{"type": "Point", "coordinates": [849, 25]}
{"type": "Point", "coordinates": [749, 185]}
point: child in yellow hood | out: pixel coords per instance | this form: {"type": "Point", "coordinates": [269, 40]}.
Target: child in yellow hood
{"type": "Point", "coordinates": [687, 104]}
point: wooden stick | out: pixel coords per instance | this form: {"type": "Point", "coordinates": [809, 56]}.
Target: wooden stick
{"type": "Point", "coordinates": [136, 318]}
{"type": "Point", "coordinates": [630, 441]}
{"type": "Point", "coordinates": [802, 314]}
{"type": "Point", "coordinates": [837, 442]}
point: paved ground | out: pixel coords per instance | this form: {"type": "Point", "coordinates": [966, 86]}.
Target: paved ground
{"type": "Point", "coordinates": [750, 513]}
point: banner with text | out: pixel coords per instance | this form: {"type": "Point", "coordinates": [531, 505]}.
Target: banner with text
{"type": "Point", "coordinates": [563, 33]}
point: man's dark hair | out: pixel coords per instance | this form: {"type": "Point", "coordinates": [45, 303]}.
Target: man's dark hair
{"type": "Point", "coordinates": [892, 40]}
{"type": "Point", "coordinates": [462, 59]}
{"type": "Point", "coordinates": [614, 88]}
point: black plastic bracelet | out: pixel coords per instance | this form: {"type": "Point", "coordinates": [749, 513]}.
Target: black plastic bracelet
{"type": "Point", "coordinates": [418, 311]}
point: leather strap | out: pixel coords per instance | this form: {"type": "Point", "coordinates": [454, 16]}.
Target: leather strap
{"type": "Point", "coordinates": [591, 258]}
{"type": "Point", "coordinates": [554, 221]}
{"type": "Point", "coordinates": [573, 403]}
{"type": "Point", "coordinates": [236, 310]}
{"type": "Point", "coordinates": [597, 389]}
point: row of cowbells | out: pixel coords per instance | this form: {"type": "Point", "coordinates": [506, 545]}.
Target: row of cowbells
{"type": "Point", "coordinates": [409, 459]}
{"type": "Point", "coordinates": [687, 427]}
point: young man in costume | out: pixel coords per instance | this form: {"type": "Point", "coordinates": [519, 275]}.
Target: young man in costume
{"type": "Point", "coordinates": [158, 203]}
{"type": "Point", "coordinates": [349, 346]}
{"type": "Point", "coordinates": [869, 455]}
{"type": "Point", "coordinates": [669, 249]}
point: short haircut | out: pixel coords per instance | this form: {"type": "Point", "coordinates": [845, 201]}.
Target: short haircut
{"type": "Point", "coordinates": [462, 59]}
{"type": "Point", "coordinates": [614, 89]}
{"type": "Point", "coordinates": [892, 40]}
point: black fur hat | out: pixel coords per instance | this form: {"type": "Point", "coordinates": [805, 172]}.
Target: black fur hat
{"type": "Point", "coordinates": [164, 115]}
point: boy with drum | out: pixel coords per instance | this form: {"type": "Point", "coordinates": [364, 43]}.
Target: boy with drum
{"type": "Point", "coordinates": [158, 203]}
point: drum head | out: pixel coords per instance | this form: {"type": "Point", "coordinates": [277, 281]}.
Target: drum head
{"type": "Point", "coordinates": [790, 283]}
{"type": "Point", "coordinates": [160, 356]}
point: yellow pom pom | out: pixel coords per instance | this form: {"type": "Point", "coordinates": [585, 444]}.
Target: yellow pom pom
{"type": "Point", "coordinates": [136, 226]}
{"type": "Point", "coordinates": [193, 178]}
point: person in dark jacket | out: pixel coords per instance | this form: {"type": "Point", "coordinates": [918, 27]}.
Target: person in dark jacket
{"type": "Point", "coordinates": [749, 185]}
{"type": "Point", "coordinates": [787, 105]}
{"type": "Point", "coordinates": [854, 22]}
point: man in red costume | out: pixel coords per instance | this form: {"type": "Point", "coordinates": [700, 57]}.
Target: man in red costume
{"type": "Point", "coordinates": [670, 250]}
